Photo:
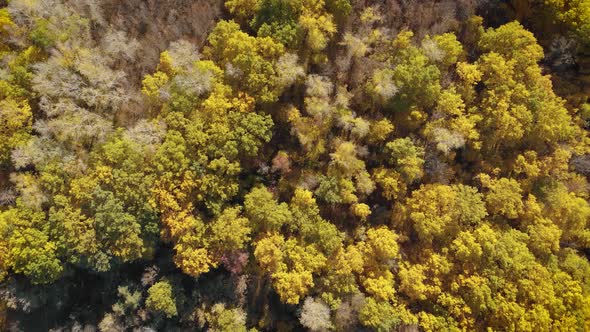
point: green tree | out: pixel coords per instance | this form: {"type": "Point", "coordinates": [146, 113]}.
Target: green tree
{"type": "Point", "coordinates": [406, 157]}
{"type": "Point", "coordinates": [290, 265]}
{"type": "Point", "coordinates": [161, 300]}
{"type": "Point", "coordinates": [264, 212]}
{"type": "Point", "coordinates": [16, 121]}
{"type": "Point", "coordinates": [311, 226]}
{"type": "Point", "coordinates": [379, 315]}
{"type": "Point", "coordinates": [414, 75]}
{"type": "Point", "coordinates": [518, 104]}
{"type": "Point", "coordinates": [30, 250]}
{"type": "Point", "coordinates": [574, 14]}
{"type": "Point", "coordinates": [504, 197]}
{"type": "Point", "coordinates": [230, 231]}
{"type": "Point", "coordinates": [254, 58]}
{"type": "Point", "coordinates": [219, 318]}
{"type": "Point", "coordinates": [570, 213]}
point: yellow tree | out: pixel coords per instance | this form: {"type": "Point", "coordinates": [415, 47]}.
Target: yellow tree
{"type": "Point", "coordinates": [438, 212]}
{"type": "Point", "coordinates": [252, 58]}
{"type": "Point", "coordinates": [290, 265]}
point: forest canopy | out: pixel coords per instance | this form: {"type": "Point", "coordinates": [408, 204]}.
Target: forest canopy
{"type": "Point", "coordinates": [321, 165]}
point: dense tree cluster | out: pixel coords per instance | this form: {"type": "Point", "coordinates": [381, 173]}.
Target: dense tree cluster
{"type": "Point", "coordinates": [307, 168]}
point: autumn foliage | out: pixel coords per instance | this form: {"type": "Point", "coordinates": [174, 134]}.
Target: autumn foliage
{"type": "Point", "coordinates": [308, 167]}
